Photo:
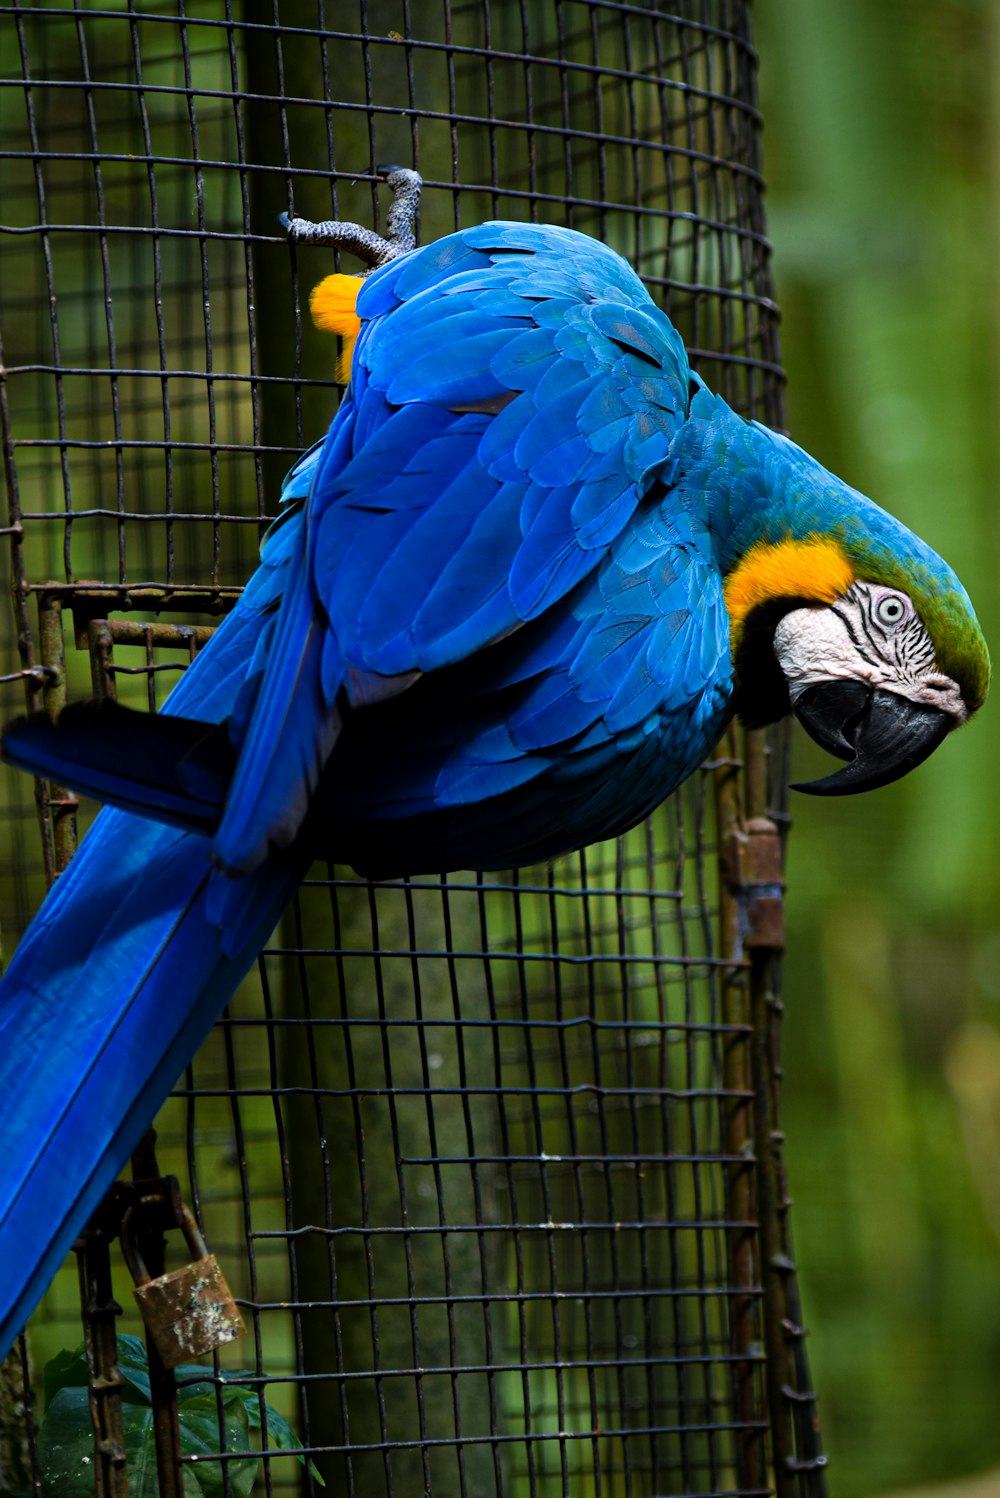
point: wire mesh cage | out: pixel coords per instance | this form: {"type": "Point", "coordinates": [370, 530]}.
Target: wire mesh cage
{"type": "Point", "coordinates": [491, 1162]}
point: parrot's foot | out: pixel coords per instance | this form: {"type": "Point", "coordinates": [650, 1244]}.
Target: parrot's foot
{"type": "Point", "coordinates": [365, 243]}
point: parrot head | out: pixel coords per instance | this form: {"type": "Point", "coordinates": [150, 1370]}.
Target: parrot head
{"type": "Point", "coordinates": [861, 630]}
{"type": "Point", "coordinates": [870, 684]}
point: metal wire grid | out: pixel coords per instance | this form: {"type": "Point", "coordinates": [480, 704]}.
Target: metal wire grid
{"type": "Point", "coordinates": [473, 1153]}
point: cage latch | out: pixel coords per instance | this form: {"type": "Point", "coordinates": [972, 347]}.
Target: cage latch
{"type": "Point", "coordinates": [188, 1312]}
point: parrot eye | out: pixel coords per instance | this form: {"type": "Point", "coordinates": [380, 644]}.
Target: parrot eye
{"type": "Point", "coordinates": [890, 610]}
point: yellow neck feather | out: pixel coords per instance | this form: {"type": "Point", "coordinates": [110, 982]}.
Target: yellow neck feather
{"type": "Point", "coordinates": [332, 303]}
{"type": "Point", "coordinates": [815, 568]}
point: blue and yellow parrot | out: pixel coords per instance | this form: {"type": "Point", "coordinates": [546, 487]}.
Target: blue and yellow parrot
{"type": "Point", "coordinates": [508, 605]}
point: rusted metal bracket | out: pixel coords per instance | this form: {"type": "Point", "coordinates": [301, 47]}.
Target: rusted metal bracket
{"type": "Point", "coordinates": [90, 604]}
{"type": "Point", "coordinates": [104, 634]}
{"type": "Point", "coordinates": [92, 600]}
{"type": "Point", "coordinates": [752, 874]}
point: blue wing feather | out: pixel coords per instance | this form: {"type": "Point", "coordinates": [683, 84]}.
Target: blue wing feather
{"type": "Point", "coordinates": [416, 559]}
{"type": "Point", "coordinates": [105, 1001]}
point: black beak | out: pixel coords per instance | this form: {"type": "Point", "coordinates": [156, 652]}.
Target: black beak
{"type": "Point", "coordinates": [883, 735]}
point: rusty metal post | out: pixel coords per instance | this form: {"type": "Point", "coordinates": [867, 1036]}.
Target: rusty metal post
{"type": "Point", "coordinates": [798, 1449]}
{"type": "Point", "coordinates": [101, 644]}
{"type": "Point", "coordinates": [806, 1461]}
{"type": "Point", "coordinates": [760, 899]}
{"type": "Point", "coordinates": [57, 805]}
{"type": "Point", "coordinates": [104, 1379]}
{"type": "Point", "coordinates": [162, 1384]}
{"type": "Point", "coordinates": [744, 1272]}
{"type": "Point", "coordinates": [751, 905]}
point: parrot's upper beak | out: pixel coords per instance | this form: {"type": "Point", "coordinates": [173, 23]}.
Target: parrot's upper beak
{"type": "Point", "coordinates": [882, 734]}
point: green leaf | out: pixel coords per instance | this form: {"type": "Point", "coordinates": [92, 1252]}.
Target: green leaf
{"type": "Point", "coordinates": [133, 1363]}
{"type": "Point", "coordinates": [280, 1434]}
{"type": "Point", "coordinates": [66, 1443]}
{"type": "Point", "coordinates": [200, 1439]}
{"type": "Point", "coordinates": [66, 1446]}
{"type": "Point", "coordinates": [67, 1370]}
{"type": "Point", "coordinates": [208, 1403]}
{"type": "Point", "coordinates": [204, 1380]}
{"type": "Point", "coordinates": [66, 1450]}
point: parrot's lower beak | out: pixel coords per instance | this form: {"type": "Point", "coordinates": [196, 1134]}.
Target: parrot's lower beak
{"type": "Point", "coordinates": [882, 734]}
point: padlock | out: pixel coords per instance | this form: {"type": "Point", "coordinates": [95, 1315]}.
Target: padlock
{"type": "Point", "coordinates": [188, 1312]}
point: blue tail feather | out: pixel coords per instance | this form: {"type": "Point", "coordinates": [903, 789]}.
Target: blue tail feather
{"type": "Point", "coordinates": [106, 999]}
{"type": "Point", "coordinates": [138, 946]}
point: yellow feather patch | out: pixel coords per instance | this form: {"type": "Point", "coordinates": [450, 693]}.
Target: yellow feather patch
{"type": "Point", "coordinates": [815, 568]}
{"type": "Point", "coordinates": [332, 304]}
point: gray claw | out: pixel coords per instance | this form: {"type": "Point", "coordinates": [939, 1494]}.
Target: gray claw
{"type": "Point", "coordinates": [365, 243]}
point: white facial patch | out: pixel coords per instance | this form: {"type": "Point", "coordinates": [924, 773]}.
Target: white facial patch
{"type": "Point", "coordinates": [871, 635]}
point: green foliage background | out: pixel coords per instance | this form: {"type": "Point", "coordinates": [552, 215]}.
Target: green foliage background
{"type": "Point", "coordinates": [881, 156]}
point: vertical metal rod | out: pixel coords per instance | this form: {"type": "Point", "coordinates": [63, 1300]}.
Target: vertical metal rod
{"type": "Point", "coordinates": [799, 1460]}
{"type": "Point", "coordinates": [104, 1379]}
{"type": "Point", "coordinates": [162, 1384]}
{"type": "Point", "coordinates": [57, 804]}
{"type": "Point", "coordinates": [101, 645]}
{"type": "Point", "coordinates": [797, 1451]}
{"type": "Point", "coordinates": [752, 934]}
{"type": "Point", "coordinates": [739, 1122]}
{"type": "Point", "coordinates": [774, 1260]}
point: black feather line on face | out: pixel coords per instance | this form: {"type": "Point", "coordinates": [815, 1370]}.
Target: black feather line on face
{"type": "Point", "coordinates": [914, 649]}
{"type": "Point", "coordinates": [761, 692]}
{"type": "Point", "coordinates": [867, 637]}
